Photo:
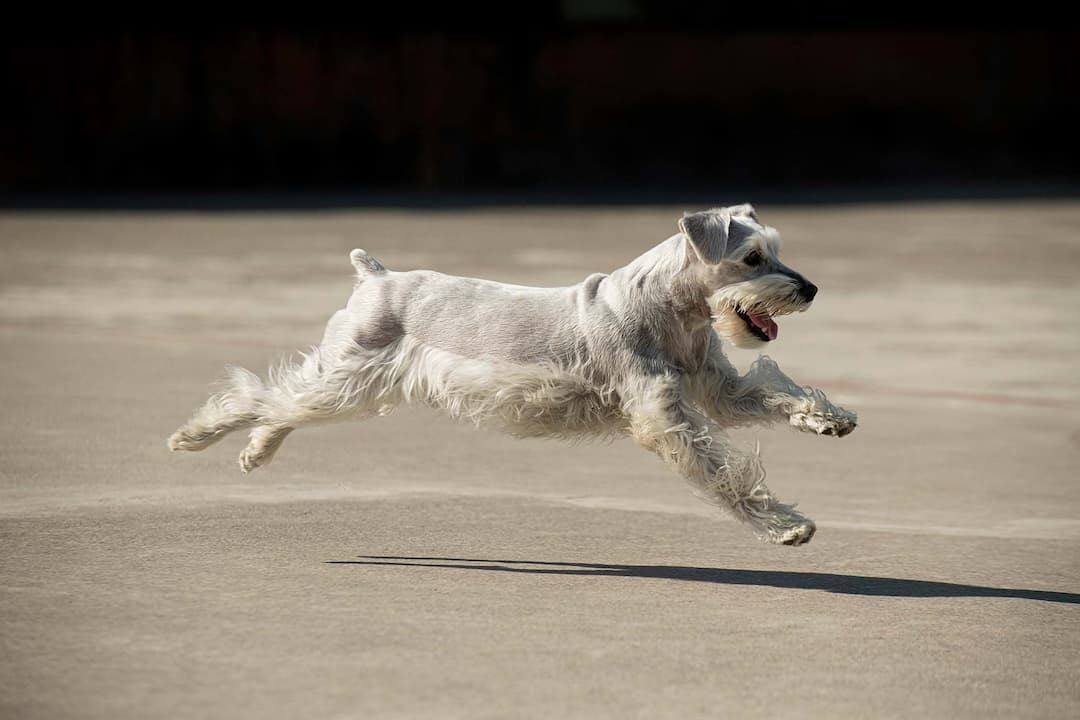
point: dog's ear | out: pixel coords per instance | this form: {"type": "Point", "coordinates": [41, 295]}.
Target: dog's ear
{"type": "Point", "coordinates": [744, 210]}
{"type": "Point", "coordinates": [708, 233]}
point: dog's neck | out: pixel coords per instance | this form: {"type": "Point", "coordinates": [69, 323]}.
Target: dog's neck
{"type": "Point", "coordinates": [664, 292]}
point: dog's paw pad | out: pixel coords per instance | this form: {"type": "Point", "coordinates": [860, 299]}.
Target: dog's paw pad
{"type": "Point", "coordinates": [825, 423]}
{"type": "Point", "coordinates": [798, 535]}
{"type": "Point", "coordinates": [847, 428]}
{"type": "Point", "coordinates": [249, 461]}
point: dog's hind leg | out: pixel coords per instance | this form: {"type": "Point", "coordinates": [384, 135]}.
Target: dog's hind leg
{"type": "Point", "coordinates": [234, 407]}
{"type": "Point", "coordinates": [265, 441]}
{"type": "Point", "coordinates": [718, 472]}
{"type": "Point", "coordinates": [342, 384]}
{"type": "Point", "coordinates": [297, 393]}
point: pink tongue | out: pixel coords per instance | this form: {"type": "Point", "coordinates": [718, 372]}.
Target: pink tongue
{"type": "Point", "coordinates": [766, 324]}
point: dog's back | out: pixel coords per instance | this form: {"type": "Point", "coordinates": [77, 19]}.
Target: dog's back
{"type": "Point", "coordinates": [473, 318]}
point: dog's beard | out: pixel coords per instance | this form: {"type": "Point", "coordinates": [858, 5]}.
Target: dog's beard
{"type": "Point", "coordinates": [743, 312]}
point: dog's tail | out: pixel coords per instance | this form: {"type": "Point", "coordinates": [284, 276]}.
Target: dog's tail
{"type": "Point", "coordinates": [365, 264]}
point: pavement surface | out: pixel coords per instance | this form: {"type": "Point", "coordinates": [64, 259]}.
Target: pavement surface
{"type": "Point", "coordinates": [408, 567]}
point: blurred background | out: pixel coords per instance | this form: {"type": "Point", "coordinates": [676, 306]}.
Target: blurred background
{"type": "Point", "coordinates": [181, 194]}
{"type": "Point", "coordinates": [549, 99]}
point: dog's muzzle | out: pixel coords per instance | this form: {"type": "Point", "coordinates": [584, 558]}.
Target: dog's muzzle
{"type": "Point", "coordinates": [756, 303]}
{"type": "Point", "coordinates": [760, 324]}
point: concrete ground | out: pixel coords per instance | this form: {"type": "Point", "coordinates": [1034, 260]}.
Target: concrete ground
{"type": "Point", "coordinates": [408, 567]}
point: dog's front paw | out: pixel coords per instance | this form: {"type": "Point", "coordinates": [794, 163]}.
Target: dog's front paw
{"type": "Point", "coordinates": [784, 526]}
{"type": "Point", "coordinates": [798, 535]}
{"type": "Point", "coordinates": [834, 421]}
{"type": "Point", "coordinates": [774, 521]}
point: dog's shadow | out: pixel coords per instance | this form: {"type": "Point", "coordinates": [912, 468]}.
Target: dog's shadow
{"type": "Point", "coordinates": [829, 582]}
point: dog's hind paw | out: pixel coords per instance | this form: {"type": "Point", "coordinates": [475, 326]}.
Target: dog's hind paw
{"type": "Point", "coordinates": [249, 460]}
{"type": "Point", "coordinates": [835, 421]}
{"type": "Point", "coordinates": [265, 441]}
{"type": "Point", "coordinates": [184, 439]}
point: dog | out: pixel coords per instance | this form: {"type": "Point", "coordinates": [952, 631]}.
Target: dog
{"type": "Point", "coordinates": [635, 352]}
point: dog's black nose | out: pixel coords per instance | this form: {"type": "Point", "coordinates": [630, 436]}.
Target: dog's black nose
{"type": "Point", "coordinates": [808, 290]}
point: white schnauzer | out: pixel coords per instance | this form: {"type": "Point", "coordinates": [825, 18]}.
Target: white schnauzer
{"type": "Point", "coordinates": [635, 352]}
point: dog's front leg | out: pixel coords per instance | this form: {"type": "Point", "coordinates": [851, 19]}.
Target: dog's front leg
{"type": "Point", "coordinates": [663, 421]}
{"type": "Point", "coordinates": [765, 394]}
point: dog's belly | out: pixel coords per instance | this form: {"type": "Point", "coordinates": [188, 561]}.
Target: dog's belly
{"type": "Point", "coordinates": [502, 356]}
{"type": "Point", "coordinates": [525, 401]}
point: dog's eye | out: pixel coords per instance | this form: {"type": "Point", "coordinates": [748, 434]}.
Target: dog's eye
{"type": "Point", "coordinates": [752, 258]}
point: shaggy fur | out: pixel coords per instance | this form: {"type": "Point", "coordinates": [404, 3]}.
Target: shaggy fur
{"type": "Point", "coordinates": [636, 352]}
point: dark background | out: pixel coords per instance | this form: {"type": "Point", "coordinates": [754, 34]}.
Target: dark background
{"type": "Point", "coordinates": [557, 97]}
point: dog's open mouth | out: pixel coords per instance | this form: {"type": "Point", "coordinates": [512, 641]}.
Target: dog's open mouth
{"type": "Point", "coordinates": [759, 323]}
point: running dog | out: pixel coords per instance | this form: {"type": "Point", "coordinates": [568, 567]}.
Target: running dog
{"type": "Point", "coordinates": [635, 352]}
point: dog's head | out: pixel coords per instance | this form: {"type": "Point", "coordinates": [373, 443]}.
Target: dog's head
{"type": "Point", "coordinates": [736, 258]}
